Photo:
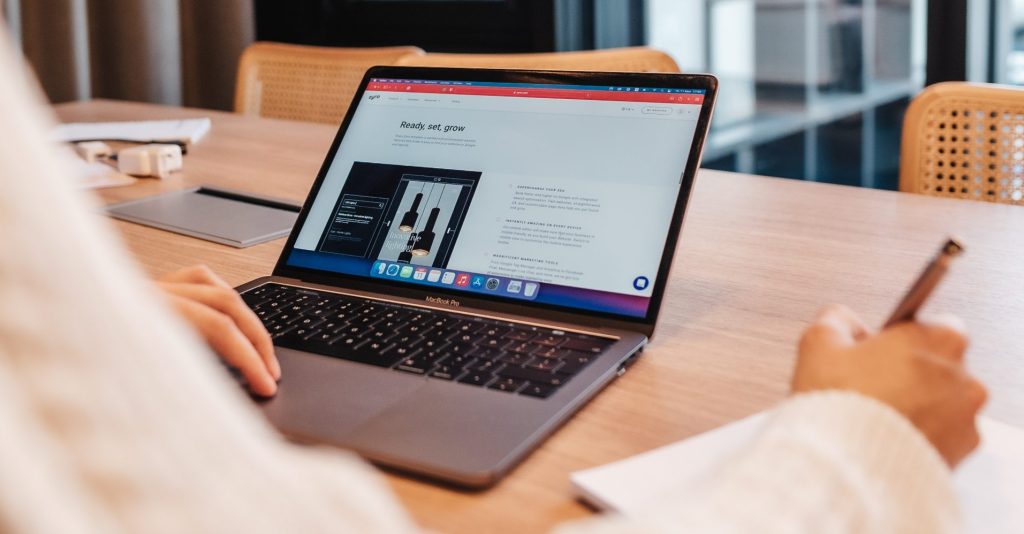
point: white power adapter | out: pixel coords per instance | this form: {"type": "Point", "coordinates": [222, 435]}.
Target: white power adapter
{"type": "Point", "coordinates": [150, 160]}
{"type": "Point", "coordinates": [90, 151]}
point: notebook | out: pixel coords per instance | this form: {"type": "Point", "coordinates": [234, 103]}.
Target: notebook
{"type": "Point", "coordinates": [98, 175]}
{"type": "Point", "coordinates": [990, 483]}
{"type": "Point", "coordinates": [188, 131]}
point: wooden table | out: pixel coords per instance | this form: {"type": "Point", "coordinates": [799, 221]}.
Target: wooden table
{"type": "Point", "coordinates": [757, 258]}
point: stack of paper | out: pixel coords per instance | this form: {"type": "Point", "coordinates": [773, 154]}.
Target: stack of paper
{"type": "Point", "coordinates": [96, 175]}
{"type": "Point", "coordinates": [187, 131]}
{"type": "Point", "coordinates": [93, 175]}
{"type": "Point", "coordinates": [990, 483]}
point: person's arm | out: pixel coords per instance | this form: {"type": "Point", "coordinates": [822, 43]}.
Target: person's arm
{"type": "Point", "coordinates": [114, 416]}
{"type": "Point", "coordinates": [218, 314]}
{"type": "Point", "coordinates": [865, 444]}
{"type": "Point", "coordinates": [835, 462]}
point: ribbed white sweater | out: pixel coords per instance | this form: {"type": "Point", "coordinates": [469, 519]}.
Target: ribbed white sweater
{"type": "Point", "coordinates": [115, 418]}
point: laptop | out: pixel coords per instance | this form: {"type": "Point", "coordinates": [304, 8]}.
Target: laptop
{"type": "Point", "coordinates": [482, 252]}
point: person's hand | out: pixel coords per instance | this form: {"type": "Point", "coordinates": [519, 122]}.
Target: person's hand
{"type": "Point", "coordinates": [915, 367]}
{"type": "Point", "coordinates": [231, 329]}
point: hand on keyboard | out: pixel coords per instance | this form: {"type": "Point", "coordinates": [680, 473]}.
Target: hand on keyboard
{"type": "Point", "coordinates": [222, 318]}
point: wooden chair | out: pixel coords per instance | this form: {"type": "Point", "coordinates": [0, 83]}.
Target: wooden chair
{"type": "Point", "coordinates": [306, 83]}
{"type": "Point", "coordinates": [965, 140]}
{"type": "Point", "coordinates": [637, 59]}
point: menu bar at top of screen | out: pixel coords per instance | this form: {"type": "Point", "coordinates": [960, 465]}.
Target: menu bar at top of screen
{"type": "Point", "coordinates": [522, 90]}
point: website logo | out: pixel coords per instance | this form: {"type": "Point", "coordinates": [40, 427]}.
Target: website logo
{"type": "Point", "coordinates": [448, 278]}
{"type": "Point", "coordinates": [420, 274]}
{"type": "Point", "coordinates": [434, 276]}
{"type": "Point", "coordinates": [446, 301]}
{"type": "Point", "coordinates": [406, 271]}
{"type": "Point", "coordinates": [462, 280]}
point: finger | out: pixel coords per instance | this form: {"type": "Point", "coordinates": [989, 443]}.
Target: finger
{"type": "Point", "coordinates": [977, 394]}
{"type": "Point", "coordinates": [974, 397]}
{"type": "Point", "coordinates": [836, 326]}
{"type": "Point", "coordinates": [968, 441]}
{"type": "Point", "coordinates": [946, 320]}
{"type": "Point", "coordinates": [943, 335]}
{"type": "Point", "coordinates": [848, 319]}
{"type": "Point", "coordinates": [195, 274]}
{"type": "Point", "coordinates": [184, 274]}
{"type": "Point", "coordinates": [228, 302]}
{"type": "Point", "coordinates": [224, 337]}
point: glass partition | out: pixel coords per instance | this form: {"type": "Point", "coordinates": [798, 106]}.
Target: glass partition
{"type": "Point", "coordinates": [803, 81]}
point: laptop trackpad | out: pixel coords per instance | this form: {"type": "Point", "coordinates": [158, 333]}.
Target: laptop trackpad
{"type": "Point", "coordinates": [323, 399]}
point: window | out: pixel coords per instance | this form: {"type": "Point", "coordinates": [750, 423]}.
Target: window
{"type": "Point", "coordinates": [811, 89]}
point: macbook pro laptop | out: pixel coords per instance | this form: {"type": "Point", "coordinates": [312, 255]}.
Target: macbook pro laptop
{"type": "Point", "coordinates": [481, 253]}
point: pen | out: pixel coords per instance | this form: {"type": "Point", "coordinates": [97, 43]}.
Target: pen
{"type": "Point", "coordinates": [925, 283]}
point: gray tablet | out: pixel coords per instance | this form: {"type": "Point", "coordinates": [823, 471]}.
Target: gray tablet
{"type": "Point", "coordinates": [218, 215]}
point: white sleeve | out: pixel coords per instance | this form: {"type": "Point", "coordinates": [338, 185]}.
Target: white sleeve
{"type": "Point", "coordinates": [114, 417]}
{"type": "Point", "coordinates": [829, 462]}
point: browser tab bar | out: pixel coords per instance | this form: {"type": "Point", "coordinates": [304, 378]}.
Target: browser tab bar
{"type": "Point", "coordinates": [563, 92]}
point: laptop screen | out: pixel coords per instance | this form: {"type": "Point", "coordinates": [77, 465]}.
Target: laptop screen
{"type": "Point", "coordinates": [559, 195]}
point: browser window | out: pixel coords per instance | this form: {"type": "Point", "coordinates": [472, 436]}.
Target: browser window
{"type": "Point", "coordinates": [555, 194]}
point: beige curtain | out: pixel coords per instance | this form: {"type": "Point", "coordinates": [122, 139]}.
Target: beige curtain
{"type": "Point", "coordinates": [165, 51]}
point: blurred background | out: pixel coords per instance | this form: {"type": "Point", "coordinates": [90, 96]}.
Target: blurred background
{"type": "Point", "coordinates": [811, 89]}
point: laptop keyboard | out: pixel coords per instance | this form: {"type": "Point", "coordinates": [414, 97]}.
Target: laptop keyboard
{"type": "Point", "coordinates": [498, 355]}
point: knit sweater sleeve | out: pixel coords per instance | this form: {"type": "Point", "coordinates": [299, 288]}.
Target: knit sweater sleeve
{"type": "Point", "coordinates": [114, 416]}
{"type": "Point", "coordinates": [832, 462]}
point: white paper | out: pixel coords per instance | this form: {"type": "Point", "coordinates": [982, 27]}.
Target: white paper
{"type": "Point", "coordinates": [186, 130]}
{"type": "Point", "coordinates": [990, 483]}
{"type": "Point", "coordinates": [94, 175]}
